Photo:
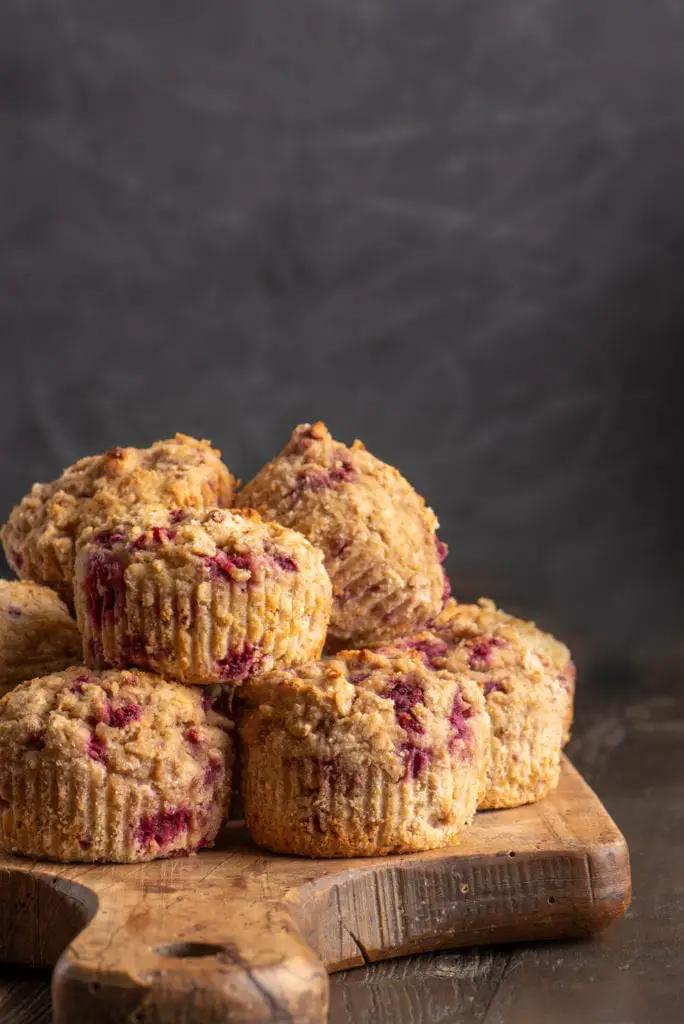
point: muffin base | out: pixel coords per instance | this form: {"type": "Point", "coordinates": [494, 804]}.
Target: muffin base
{"type": "Point", "coordinates": [330, 809]}
{"type": "Point", "coordinates": [198, 631]}
{"type": "Point", "coordinates": [79, 815]}
{"type": "Point", "coordinates": [526, 749]}
{"type": "Point", "coordinates": [510, 790]}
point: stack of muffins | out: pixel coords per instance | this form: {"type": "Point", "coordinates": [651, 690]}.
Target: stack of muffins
{"type": "Point", "coordinates": [202, 614]}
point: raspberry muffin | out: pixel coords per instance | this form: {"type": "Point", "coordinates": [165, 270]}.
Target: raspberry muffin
{"type": "Point", "coordinates": [37, 634]}
{"type": "Point", "coordinates": [363, 754]}
{"type": "Point", "coordinates": [527, 679]}
{"type": "Point", "coordinates": [113, 766]}
{"type": "Point", "coordinates": [39, 537]}
{"type": "Point", "coordinates": [379, 539]}
{"type": "Point", "coordinates": [202, 598]}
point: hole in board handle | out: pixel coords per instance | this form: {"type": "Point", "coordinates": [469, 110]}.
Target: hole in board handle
{"type": "Point", "coordinates": [188, 950]}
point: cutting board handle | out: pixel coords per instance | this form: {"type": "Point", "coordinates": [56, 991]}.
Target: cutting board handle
{"type": "Point", "coordinates": [189, 960]}
{"type": "Point", "coordinates": [238, 934]}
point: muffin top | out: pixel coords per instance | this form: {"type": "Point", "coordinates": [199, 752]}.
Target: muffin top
{"type": "Point", "coordinates": [127, 723]}
{"type": "Point", "coordinates": [40, 533]}
{"type": "Point", "coordinates": [231, 545]}
{"type": "Point", "coordinates": [493, 647]}
{"type": "Point", "coordinates": [378, 536]}
{"type": "Point", "coordinates": [388, 708]}
{"type": "Point", "coordinates": [37, 634]}
{"type": "Point", "coordinates": [488, 637]}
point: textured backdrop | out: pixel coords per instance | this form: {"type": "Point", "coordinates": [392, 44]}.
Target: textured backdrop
{"type": "Point", "coordinates": [452, 229]}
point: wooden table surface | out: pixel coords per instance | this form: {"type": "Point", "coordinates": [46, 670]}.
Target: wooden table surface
{"type": "Point", "coordinates": [628, 743]}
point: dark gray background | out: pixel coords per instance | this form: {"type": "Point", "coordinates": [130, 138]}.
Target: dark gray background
{"type": "Point", "coordinates": [452, 229]}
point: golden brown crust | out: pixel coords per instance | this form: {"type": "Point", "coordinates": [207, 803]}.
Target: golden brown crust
{"type": "Point", "coordinates": [114, 766]}
{"type": "Point", "coordinates": [363, 754]}
{"type": "Point", "coordinates": [37, 634]}
{"type": "Point", "coordinates": [467, 621]}
{"type": "Point", "coordinates": [40, 535]}
{"type": "Point", "coordinates": [202, 598]}
{"type": "Point", "coordinates": [377, 535]}
{"type": "Point", "coordinates": [527, 678]}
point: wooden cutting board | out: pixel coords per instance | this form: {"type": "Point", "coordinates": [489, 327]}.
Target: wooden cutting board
{"type": "Point", "coordinates": [239, 934]}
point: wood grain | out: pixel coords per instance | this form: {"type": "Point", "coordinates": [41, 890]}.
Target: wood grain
{"type": "Point", "coordinates": [244, 935]}
{"type": "Point", "coordinates": [24, 997]}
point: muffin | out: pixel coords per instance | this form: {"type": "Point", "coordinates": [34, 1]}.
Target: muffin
{"type": "Point", "coordinates": [527, 679]}
{"type": "Point", "coordinates": [362, 754]}
{"type": "Point", "coordinates": [39, 537]}
{"type": "Point", "coordinates": [37, 634]}
{"type": "Point", "coordinates": [115, 766]}
{"type": "Point", "coordinates": [202, 598]}
{"type": "Point", "coordinates": [378, 538]}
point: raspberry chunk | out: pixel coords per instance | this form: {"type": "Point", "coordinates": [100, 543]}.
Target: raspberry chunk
{"type": "Point", "coordinates": [430, 650]}
{"type": "Point", "coordinates": [284, 562]}
{"type": "Point", "coordinates": [238, 664]}
{"type": "Point", "coordinates": [405, 695]}
{"type": "Point", "coordinates": [415, 759]}
{"type": "Point", "coordinates": [119, 717]}
{"type": "Point", "coordinates": [213, 771]}
{"type": "Point", "coordinates": [104, 587]}
{"type": "Point", "coordinates": [106, 538]}
{"type": "Point", "coordinates": [133, 651]}
{"type": "Point", "coordinates": [97, 751]}
{"type": "Point", "coordinates": [163, 827]}
{"type": "Point", "coordinates": [492, 686]}
{"type": "Point", "coordinates": [458, 717]}
{"type": "Point", "coordinates": [35, 740]}
{"type": "Point", "coordinates": [316, 478]}
{"type": "Point", "coordinates": [481, 653]}
{"type": "Point", "coordinates": [159, 535]}
{"type": "Point", "coordinates": [229, 567]}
